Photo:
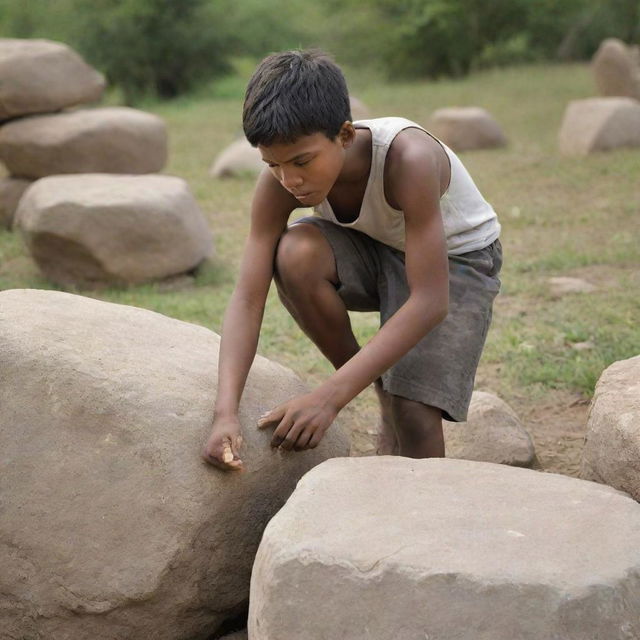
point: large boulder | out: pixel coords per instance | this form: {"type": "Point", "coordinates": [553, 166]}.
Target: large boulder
{"type": "Point", "coordinates": [40, 76]}
{"type": "Point", "coordinates": [492, 433]}
{"type": "Point", "coordinates": [112, 525]}
{"type": "Point", "coordinates": [106, 140]}
{"type": "Point", "coordinates": [95, 229]}
{"type": "Point", "coordinates": [11, 190]}
{"type": "Point", "coordinates": [467, 128]}
{"type": "Point", "coordinates": [398, 549]}
{"type": "Point", "coordinates": [599, 124]}
{"type": "Point", "coordinates": [237, 160]}
{"type": "Point", "coordinates": [616, 69]}
{"type": "Point", "coordinates": [611, 453]}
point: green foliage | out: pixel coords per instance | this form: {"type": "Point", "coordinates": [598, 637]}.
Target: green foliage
{"type": "Point", "coordinates": [163, 48]}
{"type": "Point", "coordinates": [413, 38]}
{"type": "Point", "coordinates": [152, 47]}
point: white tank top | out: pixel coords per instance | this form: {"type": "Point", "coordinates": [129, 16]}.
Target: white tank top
{"type": "Point", "coordinates": [470, 223]}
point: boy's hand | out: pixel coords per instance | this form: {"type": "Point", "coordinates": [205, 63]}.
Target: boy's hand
{"type": "Point", "coordinates": [221, 450]}
{"type": "Point", "coordinates": [301, 422]}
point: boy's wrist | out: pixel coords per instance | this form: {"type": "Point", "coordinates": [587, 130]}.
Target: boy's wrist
{"type": "Point", "coordinates": [331, 395]}
{"type": "Point", "coordinates": [225, 412]}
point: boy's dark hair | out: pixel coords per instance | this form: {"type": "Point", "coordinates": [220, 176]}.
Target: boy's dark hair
{"type": "Point", "coordinates": [293, 94]}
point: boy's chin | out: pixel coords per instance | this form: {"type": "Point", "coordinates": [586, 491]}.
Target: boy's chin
{"type": "Point", "coordinates": [310, 200]}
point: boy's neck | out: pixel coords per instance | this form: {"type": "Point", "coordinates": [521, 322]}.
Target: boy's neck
{"type": "Point", "coordinates": [357, 163]}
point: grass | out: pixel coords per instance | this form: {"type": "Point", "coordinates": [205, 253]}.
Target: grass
{"type": "Point", "coordinates": [560, 216]}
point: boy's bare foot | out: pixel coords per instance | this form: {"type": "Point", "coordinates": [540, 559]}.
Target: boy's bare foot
{"type": "Point", "coordinates": [221, 450]}
{"type": "Point", "coordinates": [387, 443]}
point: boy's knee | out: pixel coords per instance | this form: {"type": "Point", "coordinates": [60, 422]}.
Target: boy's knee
{"type": "Point", "coordinates": [302, 253]}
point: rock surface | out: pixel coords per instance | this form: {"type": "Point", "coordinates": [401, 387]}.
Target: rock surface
{"type": "Point", "coordinates": [11, 190]}
{"type": "Point", "coordinates": [238, 159]}
{"type": "Point", "coordinates": [107, 140]}
{"type": "Point", "coordinates": [599, 124]}
{"type": "Point", "coordinates": [95, 229]}
{"type": "Point", "coordinates": [398, 549]}
{"type": "Point", "coordinates": [112, 526]}
{"type": "Point", "coordinates": [466, 128]}
{"type": "Point", "coordinates": [492, 433]}
{"type": "Point", "coordinates": [611, 452]}
{"type": "Point", "coordinates": [616, 69]}
{"type": "Point", "coordinates": [40, 76]}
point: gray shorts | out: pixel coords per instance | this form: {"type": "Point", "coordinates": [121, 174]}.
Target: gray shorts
{"type": "Point", "coordinates": [440, 370]}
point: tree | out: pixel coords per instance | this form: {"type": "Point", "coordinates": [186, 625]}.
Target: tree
{"type": "Point", "coordinates": [153, 47]}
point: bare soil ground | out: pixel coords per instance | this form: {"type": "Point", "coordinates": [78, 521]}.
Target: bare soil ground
{"type": "Point", "coordinates": [557, 426]}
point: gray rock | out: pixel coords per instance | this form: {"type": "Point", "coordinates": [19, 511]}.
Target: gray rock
{"type": "Point", "coordinates": [108, 140]}
{"type": "Point", "coordinates": [398, 549]}
{"type": "Point", "coordinates": [238, 159]}
{"type": "Point", "coordinates": [466, 128]}
{"type": "Point", "coordinates": [11, 190]}
{"type": "Point", "coordinates": [599, 124]}
{"type": "Point", "coordinates": [492, 433]}
{"type": "Point", "coordinates": [96, 229]}
{"type": "Point", "coordinates": [40, 76]}
{"type": "Point", "coordinates": [611, 452]}
{"type": "Point", "coordinates": [112, 526]}
{"type": "Point", "coordinates": [616, 69]}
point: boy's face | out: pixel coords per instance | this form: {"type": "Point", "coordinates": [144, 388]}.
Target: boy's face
{"type": "Point", "coordinates": [309, 167]}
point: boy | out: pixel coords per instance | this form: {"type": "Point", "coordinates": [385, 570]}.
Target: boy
{"type": "Point", "coordinates": [399, 226]}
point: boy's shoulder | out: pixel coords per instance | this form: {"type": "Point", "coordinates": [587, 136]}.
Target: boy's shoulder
{"type": "Point", "coordinates": [408, 143]}
{"type": "Point", "coordinates": [402, 135]}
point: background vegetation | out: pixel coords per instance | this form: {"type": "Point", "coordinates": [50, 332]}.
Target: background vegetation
{"type": "Point", "coordinates": [168, 47]}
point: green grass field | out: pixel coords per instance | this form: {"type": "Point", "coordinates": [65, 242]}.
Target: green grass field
{"type": "Point", "coordinates": [561, 216]}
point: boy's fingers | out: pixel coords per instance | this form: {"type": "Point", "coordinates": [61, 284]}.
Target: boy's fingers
{"type": "Point", "coordinates": [229, 458]}
{"type": "Point", "coordinates": [315, 439]}
{"type": "Point", "coordinates": [224, 466]}
{"type": "Point", "coordinates": [269, 417]}
{"type": "Point", "coordinates": [227, 453]}
{"type": "Point", "coordinates": [281, 431]}
{"type": "Point", "coordinates": [290, 437]}
{"type": "Point", "coordinates": [302, 442]}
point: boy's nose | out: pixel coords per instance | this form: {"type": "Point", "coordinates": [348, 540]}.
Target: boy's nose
{"type": "Point", "coordinates": [291, 180]}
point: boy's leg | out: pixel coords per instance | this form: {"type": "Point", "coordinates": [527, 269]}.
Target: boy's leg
{"type": "Point", "coordinates": [418, 427]}
{"type": "Point", "coordinates": [307, 280]}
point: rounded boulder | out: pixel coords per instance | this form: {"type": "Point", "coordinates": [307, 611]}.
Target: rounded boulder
{"type": "Point", "coordinates": [95, 229]}
{"type": "Point", "coordinates": [492, 433]}
{"type": "Point", "coordinates": [616, 69]}
{"type": "Point", "coordinates": [467, 128]}
{"type": "Point", "coordinates": [11, 190]}
{"type": "Point", "coordinates": [599, 124]}
{"type": "Point", "coordinates": [106, 140]}
{"type": "Point", "coordinates": [238, 159]}
{"type": "Point", "coordinates": [399, 549]}
{"type": "Point", "coordinates": [611, 452]}
{"type": "Point", "coordinates": [112, 526]}
{"type": "Point", "coordinates": [41, 76]}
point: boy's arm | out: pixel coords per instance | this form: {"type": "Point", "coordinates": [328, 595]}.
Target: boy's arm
{"type": "Point", "coordinates": [270, 210]}
{"type": "Point", "coordinates": [415, 181]}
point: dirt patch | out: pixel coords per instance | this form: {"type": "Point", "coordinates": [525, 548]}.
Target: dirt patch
{"type": "Point", "coordinates": [557, 427]}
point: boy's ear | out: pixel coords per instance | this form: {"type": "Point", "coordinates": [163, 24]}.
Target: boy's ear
{"type": "Point", "coordinates": [347, 134]}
